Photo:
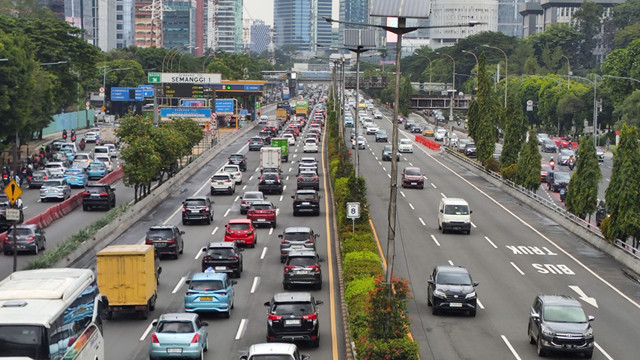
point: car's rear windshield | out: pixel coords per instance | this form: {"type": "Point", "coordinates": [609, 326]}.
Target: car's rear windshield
{"type": "Point", "coordinates": [19, 231]}
{"type": "Point", "coordinates": [297, 236]}
{"type": "Point", "coordinates": [456, 210]}
{"type": "Point", "coordinates": [220, 177]}
{"type": "Point", "coordinates": [270, 176]}
{"type": "Point", "coordinates": [295, 309]}
{"type": "Point", "coordinates": [159, 234]}
{"type": "Point", "coordinates": [195, 202]}
{"type": "Point", "coordinates": [249, 196]}
{"type": "Point", "coordinates": [103, 150]}
{"type": "Point", "coordinates": [206, 285]}
{"type": "Point", "coordinates": [236, 157]}
{"type": "Point", "coordinates": [306, 197]}
{"type": "Point", "coordinates": [238, 226]}
{"type": "Point", "coordinates": [565, 314]}
{"type": "Point", "coordinates": [308, 174]}
{"type": "Point", "coordinates": [53, 166]}
{"type": "Point", "coordinates": [221, 252]}
{"type": "Point", "coordinates": [261, 206]}
{"type": "Point", "coordinates": [412, 172]}
{"type": "Point", "coordinates": [52, 183]}
{"type": "Point", "coordinates": [230, 169]}
{"type": "Point", "coordinates": [453, 278]}
{"type": "Point", "coordinates": [301, 261]}
{"type": "Point", "coordinates": [68, 172]}
{"type": "Point", "coordinates": [562, 176]}
{"type": "Point", "coordinates": [81, 157]}
{"type": "Point", "coordinates": [175, 327]}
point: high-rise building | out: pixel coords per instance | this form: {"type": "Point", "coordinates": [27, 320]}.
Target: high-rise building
{"type": "Point", "coordinates": [125, 33]}
{"type": "Point", "coordinates": [509, 18]}
{"type": "Point", "coordinates": [454, 12]}
{"type": "Point", "coordinates": [260, 36]}
{"type": "Point", "coordinates": [226, 26]}
{"type": "Point", "coordinates": [146, 33]}
{"type": "Point", "coordinates": [352, 11]}
{"type": "Point", "coordinates": [300, 23]}
{"type": "Point", "coordinates": [178, 25]}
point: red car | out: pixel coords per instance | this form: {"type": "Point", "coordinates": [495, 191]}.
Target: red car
{"type": "Point", "coordinates": [296, 130]}
{"type": "Point", "coordinates": [564, 143]}
{"type": "Point", "coordinates": [241, 231]}
{"type": "Point", "coordinates": [412, 176]}
{"type": "Point", "coordinates": [262, 213]}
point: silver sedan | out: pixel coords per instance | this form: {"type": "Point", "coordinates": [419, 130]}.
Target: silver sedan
{"type": "Point", "coordinates": [57, 189]}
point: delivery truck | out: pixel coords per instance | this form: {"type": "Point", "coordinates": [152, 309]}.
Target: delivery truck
{"type": "Point", "coordinates": [270, 157]}
{"type": "Point", "coordinates": [283, 144]}
{"type": "Point", "coordinates": [128, 279]}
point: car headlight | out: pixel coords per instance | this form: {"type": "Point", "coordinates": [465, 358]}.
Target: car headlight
{"type": "Point", "coordinates": [588, 333]}
{"type": "Point", "coordinates": [548, 332]}
{"type": "Point", "coordinates": [439, 293]}
{"type": "Point", "coordinates": [470, 295]}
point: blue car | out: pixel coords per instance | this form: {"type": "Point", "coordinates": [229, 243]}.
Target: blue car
{"type": "Point", "coordinates": [76, 177]}
{"type": "Point", "coordinates": [179, 336]}
{"type": "Point", "coordinates": [69, 153]}
{"type": "Point", "coordinates": [96, 169]}
{"type": "Point", "coordinates": [210, 292]}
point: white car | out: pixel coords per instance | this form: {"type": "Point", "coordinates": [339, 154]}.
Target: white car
{"type": "Point", "coordinates": [290, 138]}
{"type": "Point", "coordinates": [263, 119]}
{"type": "Point", "coordinates": [56, 169]}
{"type": "Point", "coordinates": [405, 146]}
{"type": "Point", "coordinates": [377, 114]}
{"type": "Point", "coordinates": [234, 170]}
{"type": "Point", "coordinates": [106, 160]}
{"type": "Point", "coordinates": [452, 140]}
{"type": "Point", "coordinates": [100, 150]}
{"type": "Point", "coordinates": [362, 142]}
{"type": "Point", "coordinates": [440, 134]}
{"type": "Point", "coordinates": [91, 137]}
{"type": "Point", "coordinates": [222, 182]}
{"type": "Point", "coordinates": [81, 160]}
{"type": "Point", "coordinates": [113, 151]}
{"type": "Point", "coordinates": [372, 129]}
{"type": "Point", "coordinates": [311, 145]}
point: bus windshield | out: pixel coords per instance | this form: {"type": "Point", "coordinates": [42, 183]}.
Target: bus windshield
{"type": "Point", "coordinates": [24, 340]}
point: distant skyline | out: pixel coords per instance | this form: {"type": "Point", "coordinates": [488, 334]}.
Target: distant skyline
{"type": "Point", "coordinates": [263, 10]}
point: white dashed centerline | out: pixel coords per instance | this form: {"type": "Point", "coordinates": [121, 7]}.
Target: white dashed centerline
{"type": "Point", "coordinates": [256, 281]}
{"type": "Point", "coordinates": [250, 177]}
{"type": "Point", "coordinates": [602, 350]}
{"type": "Point", "coordinates": [443, 195]}
{"type": "Point", "coordinates": [480, 304]}
{"type": "Point", "coordinates": [270, 231]}
{"type": "Point", "coordinates": [450, 262]}
{"type": "Point", "coordinates": [411, 206]}
{"type": "Point", "coordinates": [401, 193]}
{"type": "Point", "coordinates": [434, 186]}
{"type": "Point", "coordinates": [214, 230]}
{"type": "Point", "coordinates": [227, 212]}
{"type": "Point", "coordinates": [474, 225]}
{"type": "Point", "coordinates": [517, 268]}
{"type": "Point", "coordinates": [434, 240]}
{"type": "Point", "coordinates": [491, 242]}
{"type": "Point", "coordinates": [422, 221]}
{"type": "Point", "coordinates": [146, 332]}
{"type": "Point", "coordinates": [287, 179]}
{"type": "Point", "coordinates": [280, 197]}
{"type": "Point", "coordinates": [198, 254]}
{"type": "Point", "coordinates": [513, 351]}
{"type": "Point", "coordinates": [241, 329]}
{"type": "Point", "coordinates": [264, 252]}
{"type": "Point", "coordinates": [180, 282]}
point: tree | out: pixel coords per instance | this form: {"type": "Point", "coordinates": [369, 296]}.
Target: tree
{"type": "Point", "coordinates": [141, 164]}
{"type": "Point", "coordinates": [483, 114]}
{"type": "Point", "coordinates": [582, 195]}
{"type": "Point", "coordinates": [622, 197]}
{"type": "Point", "coordinates": [405, 92]}
{"type": "Point", "coordinates": [529, 164]}
{"type": "Point", "coordinates": [587, 21]}
{"type": "Point", "coordinates": [515, 131]}
{"type": "Point", "coordinates": [629, 111]}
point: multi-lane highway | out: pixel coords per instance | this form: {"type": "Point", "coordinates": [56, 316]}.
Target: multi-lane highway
{"type": "Point", "coordinates": [512, 251]}
{"type": "Point", "coordinates": [128, 338]}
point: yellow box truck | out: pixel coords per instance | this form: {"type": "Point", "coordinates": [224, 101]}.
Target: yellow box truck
{"type": "Point", "coordinates": [128, 279]}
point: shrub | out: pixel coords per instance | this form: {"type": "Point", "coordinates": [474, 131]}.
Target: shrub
{"type": "Point", "coordinates": [358, 289]}
{"type": "Point", "coordinates": [492, 164]}
{"type": "Point", "coordinates": [360, 264]}
{"type": "Point", "coordinates": [358, 241]}
{"type": "Point", "coordinates": [509, 172]}
{"type": "Point", "coordinates": [605, 227]}
{"type": "Point", "coordinates": [393, 349]}
{"type": "Point", "coordinates": [356, 296]}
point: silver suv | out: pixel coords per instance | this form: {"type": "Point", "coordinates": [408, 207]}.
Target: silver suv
{"type": "Point", "coordinates": [296, 238]}
{"type": "Point", "coordinates": [274, 351]}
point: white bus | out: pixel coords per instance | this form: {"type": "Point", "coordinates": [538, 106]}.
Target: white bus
{"type": "Point", "coordinates": [51, 314]}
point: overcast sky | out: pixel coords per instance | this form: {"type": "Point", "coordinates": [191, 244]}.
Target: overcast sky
{"type": "Point", "coordinates": [263, 9]}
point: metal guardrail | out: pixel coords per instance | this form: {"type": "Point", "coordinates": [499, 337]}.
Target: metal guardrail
{"type": "Point", "coordinates": [594, 230]}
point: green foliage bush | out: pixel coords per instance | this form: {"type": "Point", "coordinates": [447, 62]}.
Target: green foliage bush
{"type": "Point", "coordinates": [358, 241]}
{"type": "Point", "coordinates": [509, 172]}
{"type": "Point", "coordinates": [360, 264]}
{"type": "Point", "coordinates": [392, 349]}
{"type": "Point", "coordinates": [492, 164]}
{"type": "Point", "coordinates": [358, 289]}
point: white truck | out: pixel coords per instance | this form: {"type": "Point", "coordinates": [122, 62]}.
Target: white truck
{"type": "Point", "coordinates": [108, 135]}
{"type": "Point", "coordinates": [270, 158]}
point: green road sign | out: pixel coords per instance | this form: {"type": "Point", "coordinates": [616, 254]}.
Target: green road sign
{"type": "Point", "coordinates": [154, 77]}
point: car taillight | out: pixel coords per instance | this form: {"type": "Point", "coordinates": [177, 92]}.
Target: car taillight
{"type": "Point", "coordinates": [223, 293]}
{"type": "Point", "coordinates": [85, 194]}
{"type": "Point", "coordinates": [103, 194]}
{"type": "Point", "coordinates": [30, 178]}
{"type": "Point", "coordinates": [244, 203]}
{"type": "Point", "coordinates": [315, 268]}
{"type": "Point", "coordinates": [184, 209]}
{"type": "Point", "coordinates": [206, 208]}
{"type": "Point", "coordinates": [154, 339]}
{"type": "Point", "coordinates": [250, 232]}
{"type": "Point", "coordinates": [31, 238]}
{"type": "Point", "coordinates": [310, 241]}
{"type": "Point", "coordinates": [196, 338]}
{"type": "Point", "coordinates": [288, 268]}
{"type": "Point", "coordinates": [227, 233]}
{"type": "Point", "coordinates": [315, 178]}
{"type": "Point", "coordinates": [235, 257]}
{"type": "Point", "coordinates": [46, 177]}
{"type": "Point", "coordinates": [148, 242]}
{"type": "Point", "coordinates": [172, 241]}
{"type": "Point", "coordinates": [190, 293]}
{"type": "Point", "coordinates": [274, 317]}
{"type": "Point", "coordinates": [206, 258]}
{"type": "Point", "coordinates": [310, 317]}
{"type": "Point", "coordinates": [251, 212]}
{"type": "Point", "coordinates": [300, 178]}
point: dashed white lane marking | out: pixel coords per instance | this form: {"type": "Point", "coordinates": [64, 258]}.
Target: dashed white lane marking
{"type": "Point", "coordinates": [257, 169]}
{"type": "Point", "coordinates": [256, 281]}
{"type": "Point", "coordinates": [443, 195]}
{"type": "Point", "coordinates": [375, 156]}
{"type": "Point", "coordinates": [434, 240]}
{"type": "Point", "coordinates": [25, 207]}
{"type": "Point", "coordinates": [480, 304]}
{"type": "Point", "coordinates": [287, 179]}
{"type": "Point", "coordinates": [245, 186]}
{"type": "Point", "coordinates": [280, 197]}
{"type": "Point", "coordinates": [237, 198]}
{"type": "Point", "coordinates": [411, 206]}
{"type": "Point", "coordinates": [517, 268]}
{"type": "Point", "coordinates": [401, 193]}
{"type": "Point", "coordinates": [405, 159]}
{"type": "Point", "coordinates": [146, 332]}
{"type": "Point", "coordinates": [214, 230]}
{"type": "Point", "coordinates": [241, 329]}
{"type": "Point", "coordinates": [277, 212]}
{"type": "Point", "coordinates": [410, 164]}
{"type": "Point", "coordinates": [608, 179]}
{"type": "Point", "coordinates": [198, 254]}
{"type": "Point", "coordinates": [450, 262]}
{"type": "Point", "coordinates": [178, 285]}
{"type": "Point", "coordinates": [227, 212]}
{"type": "Point", "coordinates": [250, 178]}
{"type": "Point", "coordinates": [474, 225]}
{"type": "Point", "coordinates": [434, 186]}
{"type": "Point", "coordinates": [294, 155]}
{"type": "Point", "coordinates": [284, 188]}
{"type": "Point", "coordinates": [491, 242]}
{"type": "Point", "coordinates": [289, 169]}
{"type": "Point", "coordinates": [513, 351]}
{"type": "Point", "coordinates": [422, 221]}
{"type": "Point", "coordinates": [264, 252]}
{"type": "Point", "coordinates": [270, 231]}
{"type": "Point", "coordinates": [384, 168]}
{"type": "Point", "coordinates": [425, 177]}
{"type": "Point", "coordinates": [602, 351]}
{"type": "Point", "coordinates": [389, 175]}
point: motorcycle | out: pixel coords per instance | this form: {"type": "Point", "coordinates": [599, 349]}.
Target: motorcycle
{"type": "Point", "coordinates": [601, 212]}
{"type": "Point", "coordinates": [552, 163]}
{"type": "Point", "coordinates": [6, 175]}
{"type": "Point", "coordinates": [571, 164]}
{"type": "Point", "coordinates": [82, 144]}
{"type": "Point", "coordinates": [64, 135]}
{"type": "Point", "coordinates": [563, 193]}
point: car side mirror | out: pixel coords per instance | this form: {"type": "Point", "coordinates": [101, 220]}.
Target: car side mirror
{"type": "Point", "coordinates": [204, 249]}
{"type": "Point", "coordinates": [244, 357]}
{"type": "Point", "coordinates": [534, 314]}
{"type": "Point", "coordinates": [441, 210]}
{"type": "Point", "coordinates": [305, 357]}
{"type": "Point", "coordinates": [233, 282]}
{"type": "Point", "coordinates": [187, 281]}
{"type": "Point", "coordinates": [154, 323]}
{"type": "Point", "coordinates": [319, 302]}
{"type": "Point", "coordinates": [316, 236]}
{"type": "Point", "coordinates": [591, 317]}
{"type": "Point", "coordinates": [204, 323]}
{"type": "Point", "coordinates": [184, 202]}
{"type": "Point", "coordinates": [475, 283]}
{"type": "Point", "coordinates": [182, 232]}
{"type": "Point", "coordinates": [268, 303]}
{"type": "Point", "coordinates": [293, 197]}
{"type": "Point", "coordinates": [470, 211]}
{"type": "Point", "coordinates": [112, 189]}
{"type": "Point", "coordinates": [280, 236]}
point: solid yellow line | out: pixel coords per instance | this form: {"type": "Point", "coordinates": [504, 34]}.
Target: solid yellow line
{"type": "Point", "coordinates": [332, 299]}
{"type": "Point", "coordinates": [375, 236]}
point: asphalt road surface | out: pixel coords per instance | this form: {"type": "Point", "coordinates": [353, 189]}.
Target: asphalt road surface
{"type": "Point", "coordinates": [512, 251]}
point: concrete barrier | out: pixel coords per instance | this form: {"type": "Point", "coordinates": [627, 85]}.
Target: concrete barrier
{"type": "Point", "coordinates": [112, 231]}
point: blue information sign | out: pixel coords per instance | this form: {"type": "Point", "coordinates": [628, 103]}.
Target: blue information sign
{"type": "Point", "coordinates": [253, 88]}
{"type": "Point", "coordinates": [192, 112]}
{"type": "Point", "coordinates": [126, 94]}
{"type": "Point", "coordinates": [243, 112]}
{"type": "Point", "coordinates": [224, 105]}
{"type": "Point", "coordinates": [147, 90]}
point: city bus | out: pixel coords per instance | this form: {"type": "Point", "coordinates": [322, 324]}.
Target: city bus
{"type": "Point", "coordinates": [51, 314]}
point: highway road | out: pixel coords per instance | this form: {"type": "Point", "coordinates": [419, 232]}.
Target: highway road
{"type": "Point", "coordinates": [128, 338]}
{"type": "Point", "coordinates": [513, 252]}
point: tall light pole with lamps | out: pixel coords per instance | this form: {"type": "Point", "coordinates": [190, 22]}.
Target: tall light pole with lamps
{"type": "Point", "coordinates": [430, 72]}
{"type": "Point", "coordinates": [568, 71]}
{"type": "Point", "coordinates": [506, 71]}
{"type": "Point", "coordinates": [594, 82]}
{"type": "Point", "coordinates": [183, 54]}
{"type": "Point", "coordinates": [453, 84]}
{"type": "Point", "coordinates": [475, 89]}
{"type": "Point", "coordinates": [104, 81]}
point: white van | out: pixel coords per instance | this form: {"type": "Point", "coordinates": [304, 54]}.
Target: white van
{"type": "Point", "coordinates": [70, 145]}
{"type": "Point", "coordinates": [454, 214]}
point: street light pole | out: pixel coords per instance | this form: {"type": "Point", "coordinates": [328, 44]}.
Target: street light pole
{"type": "Point", "coordinates": [506, 71]}
{"type": "Point", "coordinates": [594, 82]}
{"type": "Point", "coordinates": [453, 84]}
{"type": "Point", "coordinates": [477, 68]}
{"type": "Point", "coordinates": [430, 72]}
{"type": "Point", "coordinates": [568, 71]}
{"type": "Point", "coordinates": [104, 81]}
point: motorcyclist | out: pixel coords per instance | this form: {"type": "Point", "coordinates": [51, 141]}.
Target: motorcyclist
{"type": "Point", "coordinates": [82, 144]}
{"type": "Point", "coordinates": [64, 134]}
{"type": "Point", "coordinates": [73, 135]}
{"type": "Point", "coordinates": [552, 163]}
{"type": "Point", "coordinates": [6, 174]}
{"type": "Point", "coordinates": [571, 162]}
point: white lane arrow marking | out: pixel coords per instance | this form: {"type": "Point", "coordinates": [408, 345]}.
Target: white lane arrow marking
{"type": "Point", "coordinates": [582, 296]}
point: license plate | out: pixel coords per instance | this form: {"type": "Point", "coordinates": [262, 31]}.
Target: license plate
{"type": "Point", "coordinates": [306, 203]}
{"type": "Point", "coordinates": [73, 179]}
{"type": "Point", "coordinates": [174, 351]}
{"type": "Point", "coordinates": [455, 305]}
{"type": "Point", "coordinates": [220, 268]}
{"type": "Point", "coordinates": [206, 298]}
{"type": "Point", "coordinates": [220, 183]}
{"type": "Point", "coordinates": [302, 272]}
{"type": "Point", "coordinates": [95, 195]}
{"type": "Point", "coordinates": [413, 183]}
{"type": "Point", "coordinates": [52, 191]}
{"type": "Point", "coordinates": [292, 322]}
{"type": "Point", "coordinates": [160, 244]}
{"type": "Point", "coordinates": [259, 220]}
{"type": "Point", "coordinates": [297, 246]}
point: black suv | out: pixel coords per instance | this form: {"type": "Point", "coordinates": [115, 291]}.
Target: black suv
{"type": "Point", "coordinates": [270, 183]}
{"type": "Point", "coordinates": [470, 150]}
{"type": "Point", "coordinates": [308, 179]}
{"type": "Point", "coordinates": [265, 135]}
{"type": "Point", "coordinates": [451, 288]}
{"type": "Point", "coordinates": [98, 195]}
{"type": "Point", "coordinates": [223, 256]}
{"type": "Point", "coordinates": [197, 209]}
{"type": "Point", "coordinates": [302, 268]}
{"type": "Point", "coordinates": [167, 240]}
{"type": "Point", "coordinates": [238, 159]}
{"type": "Point", "coordinates": [293, 317]}
{"type": "Point", "coordinates": [408, 124]}
{"type": "Point", "coordinates": [558, 323]}
{"type": "Point", "coordinates": [306, 201]}
{"type": "Point", "coordinates": [256, 143]}
{"type": "Point", "coordinates": [29, 238]}
{"type": "Point", "coordinates": [296, 238]}
{"type": "Point", "coordinates": [386, 153]}
{"type": "Point", "coordinates": [557, 180]}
